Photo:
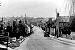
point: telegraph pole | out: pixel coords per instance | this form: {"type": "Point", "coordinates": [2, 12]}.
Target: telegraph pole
{"type": "Point", "coordinates": [25, 19]}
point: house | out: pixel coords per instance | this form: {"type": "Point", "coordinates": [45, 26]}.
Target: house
{"type": "Point", "coordinates": [60, 23]}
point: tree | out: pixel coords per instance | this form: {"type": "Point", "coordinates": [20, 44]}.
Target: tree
{"type": "Point", "coordinates": [73, 25]}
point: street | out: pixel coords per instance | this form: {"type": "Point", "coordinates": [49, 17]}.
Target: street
{"type": "Point", "coordinates": [37, 24]}
{"type": "Point", "coordinates": [37, 42]}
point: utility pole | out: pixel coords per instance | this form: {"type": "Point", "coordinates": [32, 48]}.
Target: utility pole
{"type": "Point", "coordinates": [25, 19]}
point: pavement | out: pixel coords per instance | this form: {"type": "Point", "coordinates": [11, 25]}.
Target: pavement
{"type": "Point", "coordinates": [68, 41]}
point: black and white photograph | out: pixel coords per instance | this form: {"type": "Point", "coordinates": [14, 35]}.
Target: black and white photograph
{"type": "Point", "coordinates": [37, 24]}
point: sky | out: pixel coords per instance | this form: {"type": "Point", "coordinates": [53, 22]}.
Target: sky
{"type": "Point", "coordinates": [32, 8]}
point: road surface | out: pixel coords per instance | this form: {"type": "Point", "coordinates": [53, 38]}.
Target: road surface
{"type": "Point", "coordinates": [38, 42]}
